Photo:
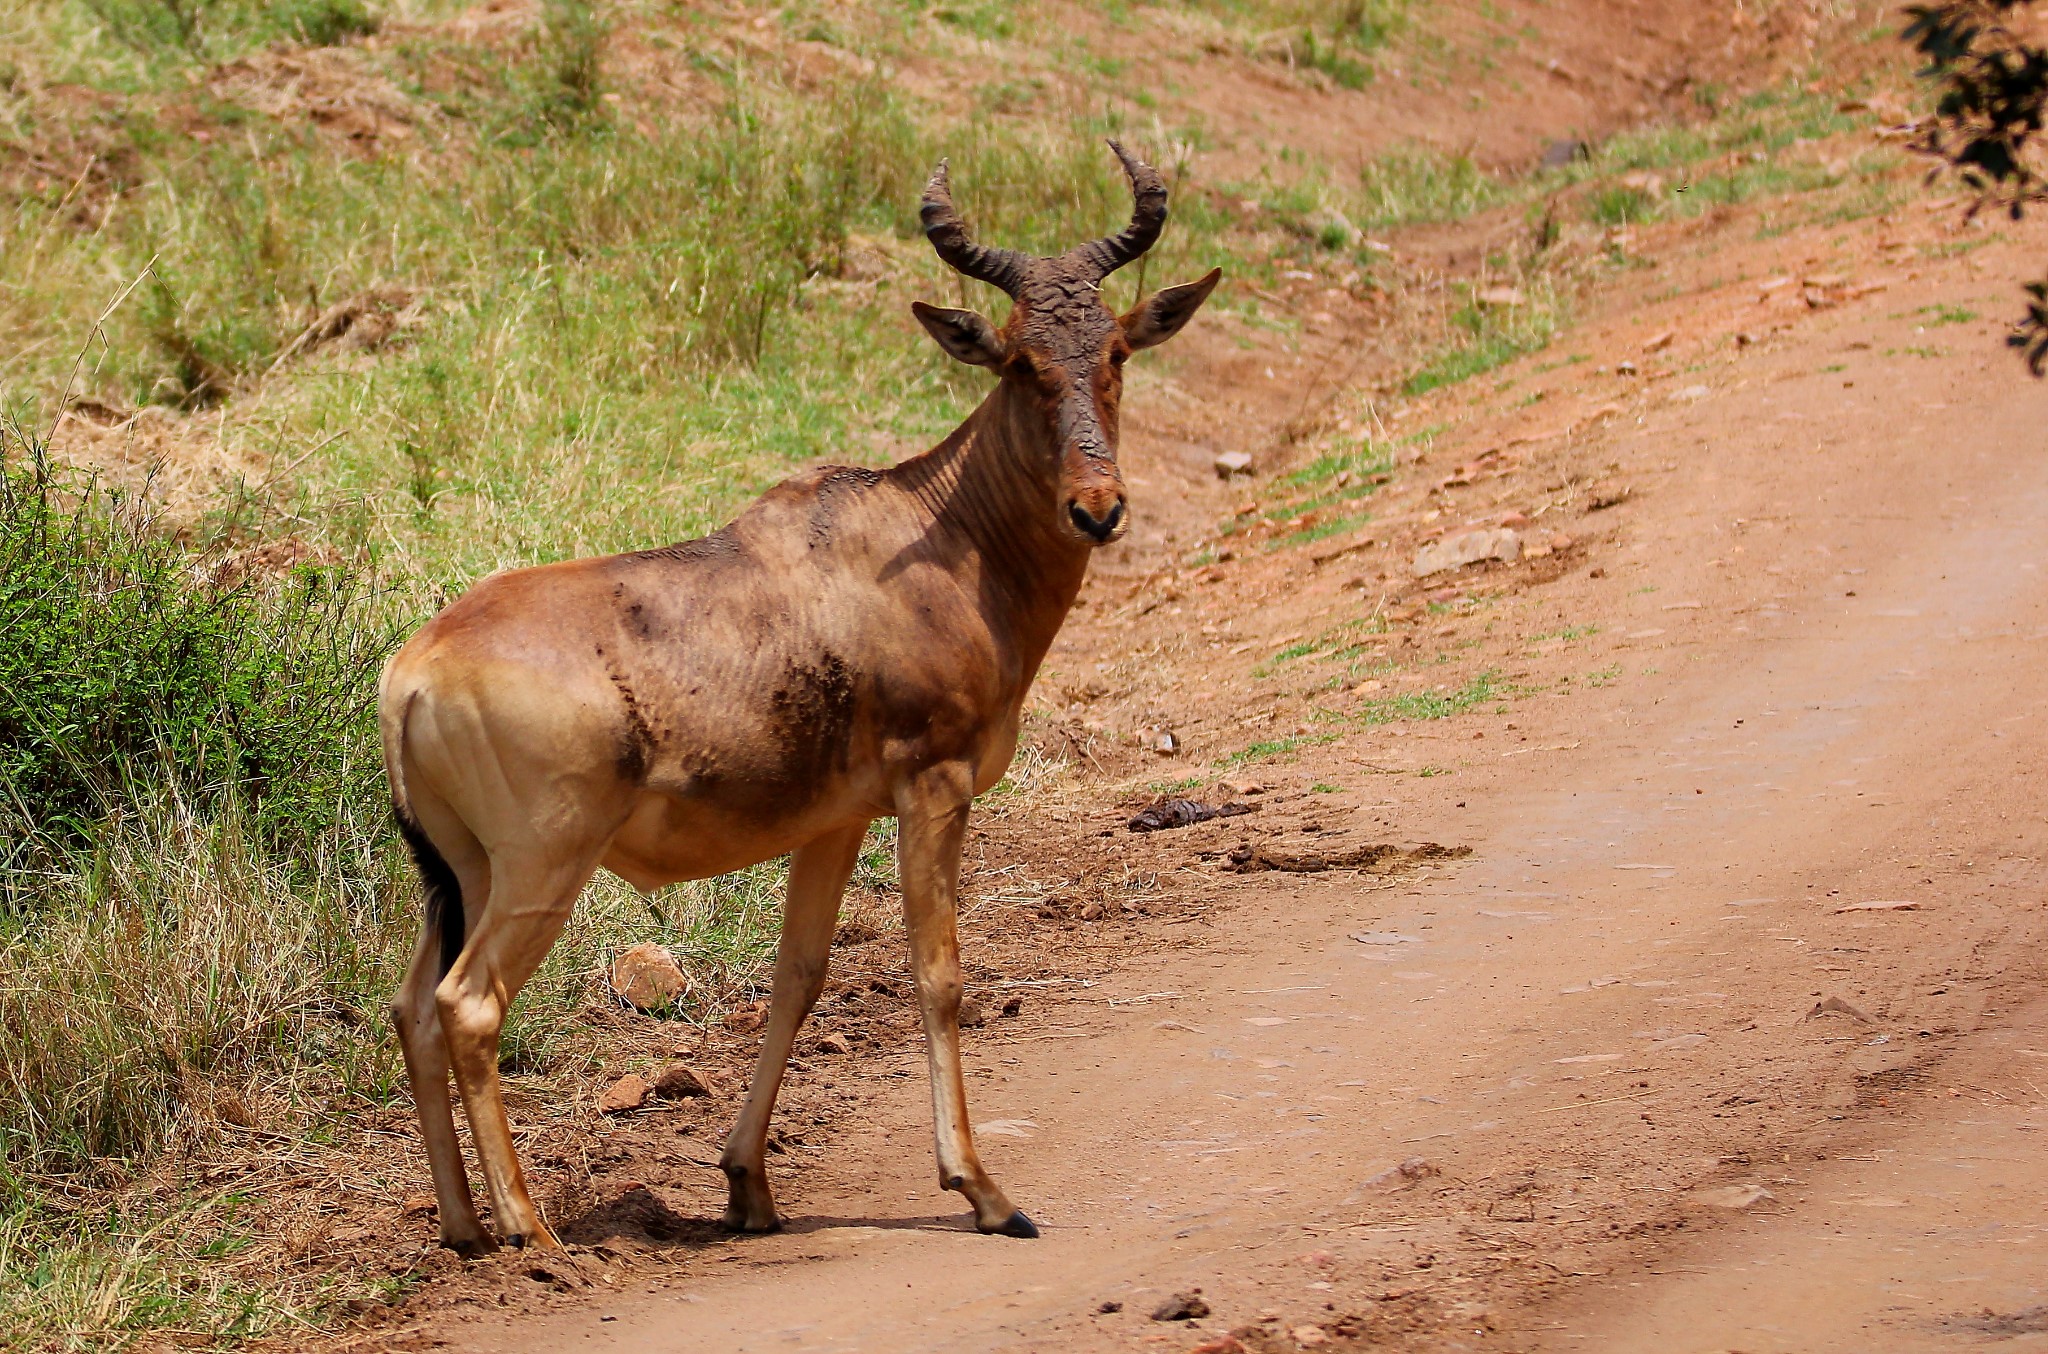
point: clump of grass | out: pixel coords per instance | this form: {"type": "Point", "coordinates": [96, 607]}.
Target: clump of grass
{"type": "Point", "coordinates": [200, 976]}
{"type": "Point", "coordinates": [1416, 185]}
{"type": "Point", "coordinates": [210, 30]}
{"type": "Point", "coordinates": [1486, 337]}
{"type": "Point", "coordinates": [1431, 704]}
{"type": "Point", "coordinates": [1268, 749]}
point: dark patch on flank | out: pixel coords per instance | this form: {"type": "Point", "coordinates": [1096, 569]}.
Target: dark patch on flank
{"type": "Point", "coordinates": [810, 717]}
{"type": "Point", "coordinates": [636, 735]}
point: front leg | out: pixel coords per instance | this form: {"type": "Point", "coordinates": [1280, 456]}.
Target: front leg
{"type": "Point", "coordinates": [932, 821]}
{"type": "Point", "coordinates": [817, 879]}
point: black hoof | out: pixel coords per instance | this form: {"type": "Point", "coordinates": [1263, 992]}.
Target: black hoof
{"type": "Point", "coordinates": [470, 1250]}
{"type": "Point", "coordinates": [1017, 1226]}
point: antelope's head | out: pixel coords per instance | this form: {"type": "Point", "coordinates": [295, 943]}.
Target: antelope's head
{"type": "Point", "coordinates": [1061, 345]}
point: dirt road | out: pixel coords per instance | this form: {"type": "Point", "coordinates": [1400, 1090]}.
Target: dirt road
{"type": "Point", "coordinates": [1729, 1034]}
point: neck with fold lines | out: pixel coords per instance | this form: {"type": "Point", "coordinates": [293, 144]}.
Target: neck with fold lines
{"type": "Point", "coordinates": [991, 490]}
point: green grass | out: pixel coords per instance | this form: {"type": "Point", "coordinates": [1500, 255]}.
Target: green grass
{"type": "Point", "coordinates": [1488, 337]}
{"type": "Point", "coordinates": [1425, 705]}
{"type": "Point", "coordinates": [1271, 748]}
{"type": "Point", "coordinates": [1947, 314]}
{"type": "Point", "coordinates": [1420, 705]}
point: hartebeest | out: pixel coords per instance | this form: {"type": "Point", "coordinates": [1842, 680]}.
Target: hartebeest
{"type": "Point", "coordinates": [857, 644]}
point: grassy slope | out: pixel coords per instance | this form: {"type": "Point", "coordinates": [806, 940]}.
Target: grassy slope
{"type": "Point", "coordinates": [641, 262]}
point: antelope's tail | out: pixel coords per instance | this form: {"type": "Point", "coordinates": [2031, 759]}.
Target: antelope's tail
{"type": "Point", "coordinates": [443, 888]}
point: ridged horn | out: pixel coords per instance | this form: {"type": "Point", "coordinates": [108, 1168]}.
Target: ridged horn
{"type": "Point", "coordinates": [1148, 218]}
{"type": "Point", "coordinates": [943, 227]}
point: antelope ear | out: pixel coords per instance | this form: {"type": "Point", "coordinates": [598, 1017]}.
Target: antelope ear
{"type": "Point", "coordinates": [962, 333]}
{"type": "Point", "coordinates": [1161, 315]}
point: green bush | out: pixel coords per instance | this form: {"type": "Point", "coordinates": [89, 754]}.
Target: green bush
{"type": "Point", "coordinates": [128, 664]}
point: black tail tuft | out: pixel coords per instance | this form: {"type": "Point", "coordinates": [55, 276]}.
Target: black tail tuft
{"type": "Point", "coordinates": [444, 890]}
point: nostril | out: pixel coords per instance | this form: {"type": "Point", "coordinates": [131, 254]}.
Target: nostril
{"type": "Point", "coordinates": [1100, 528]}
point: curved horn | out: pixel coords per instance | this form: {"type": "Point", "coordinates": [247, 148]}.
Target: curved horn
{"type": "Point", "coordinates": [942, 226]}
{"type": "Point", "coordinates": [1148, 218]}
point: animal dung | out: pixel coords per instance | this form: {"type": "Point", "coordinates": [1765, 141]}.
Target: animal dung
{"type": "Point", "coordinates": [1166, 813]}
{"type": "Point", "coordinates": [1187, 1306]}
{"type": "Point", "coordinates": [1376, 857]}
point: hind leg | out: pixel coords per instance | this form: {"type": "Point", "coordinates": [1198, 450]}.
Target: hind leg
{"type": "Point", "coordinates": [418, 1020]}
{"type": "Point", "coordinates": [531, 896]}
{"type": "Point", "coordinates": [817, 878]}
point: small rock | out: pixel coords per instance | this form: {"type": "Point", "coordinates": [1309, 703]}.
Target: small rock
{"type": "Point", "coordinates": [835, 1043]}
{"type": "Point", "coordinates": [971, 1014]}
{"type": "Point", "coordinates": [1094, 911]}
{"type": "Point", "coordinates": [1013, 1007]}
{"type": "Point", "coordinates": [1228, 463]}
{"type": "Point", "coordinates": [628, 1093]}
{"type": "Point", "coordinates": [1730, 1196]}
{"type": "Point", "coordinates": [680, 1081]}
{"type": "Point", "coordinates": [1660, 342]}
{"type": "Point", "coordinates": [1186, 1306]}
{"type": "Point", "coordinates": [1836, 1006]}
{"type": "Point", "coordinates": [1308, 1337]}
{"type": "Point", "coordinates": [1220, 1344]}
{"type": "Point", "coordinates": [419, 1206]}
{"type": "Point", "coordinates": [1468, 547]}
{"type": "Point", "coordinates": [1110, 1308]}
{"type": "Point", "coordinates": [1166, 743]}
{"type": "Point", "coordinates": [1500, 296]}
{"type": "Point", "coordinates": [1558, 154]}
{"type": "Point", "coordinates": [1624, 369]}
{"type": "Point", "coordinates": [647, 977]}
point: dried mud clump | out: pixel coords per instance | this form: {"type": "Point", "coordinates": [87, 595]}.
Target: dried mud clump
{"type": "Point", "coordinates": [337, 89]}
{"type": "Point", "coordinates": [1371, 857]}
